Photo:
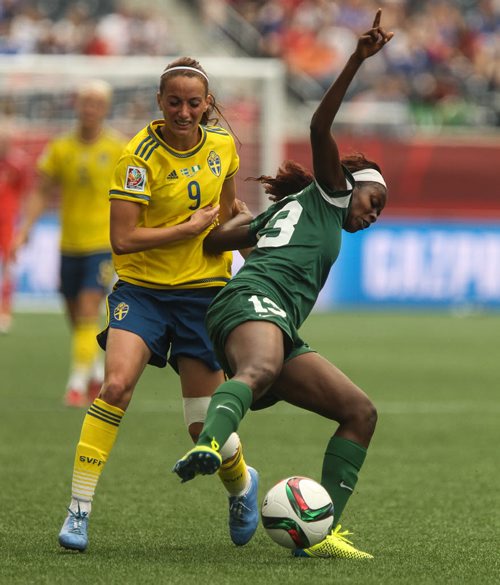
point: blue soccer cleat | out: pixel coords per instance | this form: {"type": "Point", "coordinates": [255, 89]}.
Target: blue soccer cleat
{"type": "Point", "coordinates": [73, 533]}
{"type": "Point", "coordinates": [244, 512]}
{"type": "Point", "coordinates": [200, 460]}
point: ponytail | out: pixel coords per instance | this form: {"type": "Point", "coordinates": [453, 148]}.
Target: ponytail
{"type": "Point", "coordinates": [290, 178]}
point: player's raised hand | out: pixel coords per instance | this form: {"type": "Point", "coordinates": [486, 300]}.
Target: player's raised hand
{"type": "Point", "coordinates": [373, 40]}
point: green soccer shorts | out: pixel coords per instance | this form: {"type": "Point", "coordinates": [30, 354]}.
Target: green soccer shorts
{"type": "Point", "coordinates": [238, 303]}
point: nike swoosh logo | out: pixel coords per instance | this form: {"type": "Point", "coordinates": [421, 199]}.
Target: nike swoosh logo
{"type": "Point", "coordinates": [226, 407]}
{"type": "Point", "coordinates": [345, 486]}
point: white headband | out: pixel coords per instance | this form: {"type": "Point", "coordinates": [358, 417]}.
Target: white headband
{"type": "Point", "coordinates": [369, 175]}
{"type": "Point", "coordinates": [184, 68]}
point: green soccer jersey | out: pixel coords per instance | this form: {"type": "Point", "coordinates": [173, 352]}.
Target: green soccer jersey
{"type": "Point", "coordinates": [297, 241]}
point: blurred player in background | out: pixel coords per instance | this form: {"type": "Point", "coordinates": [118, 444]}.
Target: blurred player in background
{"type": "Point", "coordinates": [254, 320]}
{"type": "Point", "coordinates": [13, 184]}
{"type": "Point", "coordinates": [78, 167]}
{"type": "Point", "coordinates": [173, 181]}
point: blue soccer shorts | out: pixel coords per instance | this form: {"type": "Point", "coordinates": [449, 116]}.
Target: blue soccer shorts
{"type": "Point", "coordinates": [170, 322]}
{"type": "Point", "coordinates": [86, 272]}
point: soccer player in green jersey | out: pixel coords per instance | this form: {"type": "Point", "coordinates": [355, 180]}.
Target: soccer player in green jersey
{"type": "Point", "coordinates": [172, 184]}
{"type": "Point", "coordinates": [254, 321]}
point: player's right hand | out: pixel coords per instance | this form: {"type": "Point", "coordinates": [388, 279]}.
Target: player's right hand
{"type": "Point", "coordinates": [373, 40]}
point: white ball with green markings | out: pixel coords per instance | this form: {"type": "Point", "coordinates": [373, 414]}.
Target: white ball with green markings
{"type": "Point", "coordinates": [297, 512]}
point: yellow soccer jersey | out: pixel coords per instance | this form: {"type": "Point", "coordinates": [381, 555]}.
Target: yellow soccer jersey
{"type": "Point", "coordinates": [83, 171]}
{"type": "Point", "coordinates": [171, 185]}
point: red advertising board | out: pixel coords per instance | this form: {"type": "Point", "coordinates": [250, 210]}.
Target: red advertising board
{"type": "Point", "coordinates": [429, 177]}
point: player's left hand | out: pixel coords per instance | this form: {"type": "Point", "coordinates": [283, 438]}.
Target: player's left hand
{"type": "Point", "coordinates": [240, 207]}
{"type": "Point", "coordinates": [373, 40]}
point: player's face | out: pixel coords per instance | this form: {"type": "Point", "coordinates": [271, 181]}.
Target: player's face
{"type": "Point", "coordinates": [368, 200]}
{"type": "Point", "coordinates": [183, 102]}
{"type": "Point", "coordinates": [92, 108]}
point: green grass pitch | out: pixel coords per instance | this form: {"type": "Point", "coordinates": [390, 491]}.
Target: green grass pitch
{"type": "Point", "coordinates": [427, 504]}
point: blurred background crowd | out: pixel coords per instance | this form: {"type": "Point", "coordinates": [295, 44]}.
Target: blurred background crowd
{"type": "Point", "coordinates": [104, 27]}
{"type": "Point", "coordinates": [444, 61]}
{"type": "Point", "coordinates": [443, 66]}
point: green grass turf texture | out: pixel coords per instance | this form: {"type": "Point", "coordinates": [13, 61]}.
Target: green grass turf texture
{"type": "Point", "coordinates": [427, 504]}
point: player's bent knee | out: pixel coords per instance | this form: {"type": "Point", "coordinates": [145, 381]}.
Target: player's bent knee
{"type": "Point", "coordinates": [371, 416]}
{"type": "Point", "coordinates": [117, 391]}
{"type": "Point", "coordinates": [361, 417]}
{"type": "Point", "coordinates": [365, 418]}
{"type": "Point", "coordinates": [259, 378]}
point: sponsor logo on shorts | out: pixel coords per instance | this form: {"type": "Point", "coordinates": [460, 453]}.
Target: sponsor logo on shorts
{"type": "Point", "coordinates": [214, 163]}
{"type": "Point", "coordinates": [120, 311]}
{"type": "Point", "coordinates": [136, 178]}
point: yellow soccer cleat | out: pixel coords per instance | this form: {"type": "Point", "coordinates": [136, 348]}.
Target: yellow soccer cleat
{"type": "Point", "coordinates": [200, 460]}
{"type": "Point", "coordinates": [334, 546]}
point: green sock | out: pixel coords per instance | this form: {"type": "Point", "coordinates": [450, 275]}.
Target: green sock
{"type": "Point", "coordinates": [227, 407]}
{"type": "Point", "coordinates": [343, 459]}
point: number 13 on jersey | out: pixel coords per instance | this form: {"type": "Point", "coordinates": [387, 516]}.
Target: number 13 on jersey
{"type": "Point", "coordinates": [264, 306]}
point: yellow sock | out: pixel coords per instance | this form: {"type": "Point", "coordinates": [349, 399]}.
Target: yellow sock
{"type": "Point", "coordinates": [85, 346]}
{"type": "Point", "coordinates": [234, 473]}
{"type": "Point", "coordinates": [99, 430]}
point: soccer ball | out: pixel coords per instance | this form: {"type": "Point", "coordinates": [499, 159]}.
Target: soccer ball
{"type": "Point", "coordinates": [297, 512]}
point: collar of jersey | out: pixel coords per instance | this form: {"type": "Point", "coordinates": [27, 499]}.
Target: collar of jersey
{"type": "Point", "coordinates": [178, 153]}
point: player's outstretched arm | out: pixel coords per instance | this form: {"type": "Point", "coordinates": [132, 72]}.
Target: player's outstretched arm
{"type": "Point", "coordinates": [325, 154]}
{"type": "Point", "coordinates": [234, 234]}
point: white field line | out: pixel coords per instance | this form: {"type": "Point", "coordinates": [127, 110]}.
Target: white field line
{"type": "Point", "coordinates": [383, 407]}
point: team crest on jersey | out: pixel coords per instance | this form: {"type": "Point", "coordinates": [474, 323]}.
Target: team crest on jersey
{"type": "Point", "coordinates": [120, 311]}
{"type": "Point", "coordinates": [190, 171]}
{"type": "Point", "coordinates": [214, 163]}
{"type": "Point", "coordinates": [135, 179]}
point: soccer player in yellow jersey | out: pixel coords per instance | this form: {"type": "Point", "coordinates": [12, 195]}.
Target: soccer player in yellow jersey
{"type": "Point", "coordinates": [172, 184]}
{"type": "Point", "coordinates": [78, 166]}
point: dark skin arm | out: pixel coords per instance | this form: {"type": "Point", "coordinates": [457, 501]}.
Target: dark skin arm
{"type": "Point", "coordinates": [234, 234]}
{"type": "Point", "coordinates": [326, 159]}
